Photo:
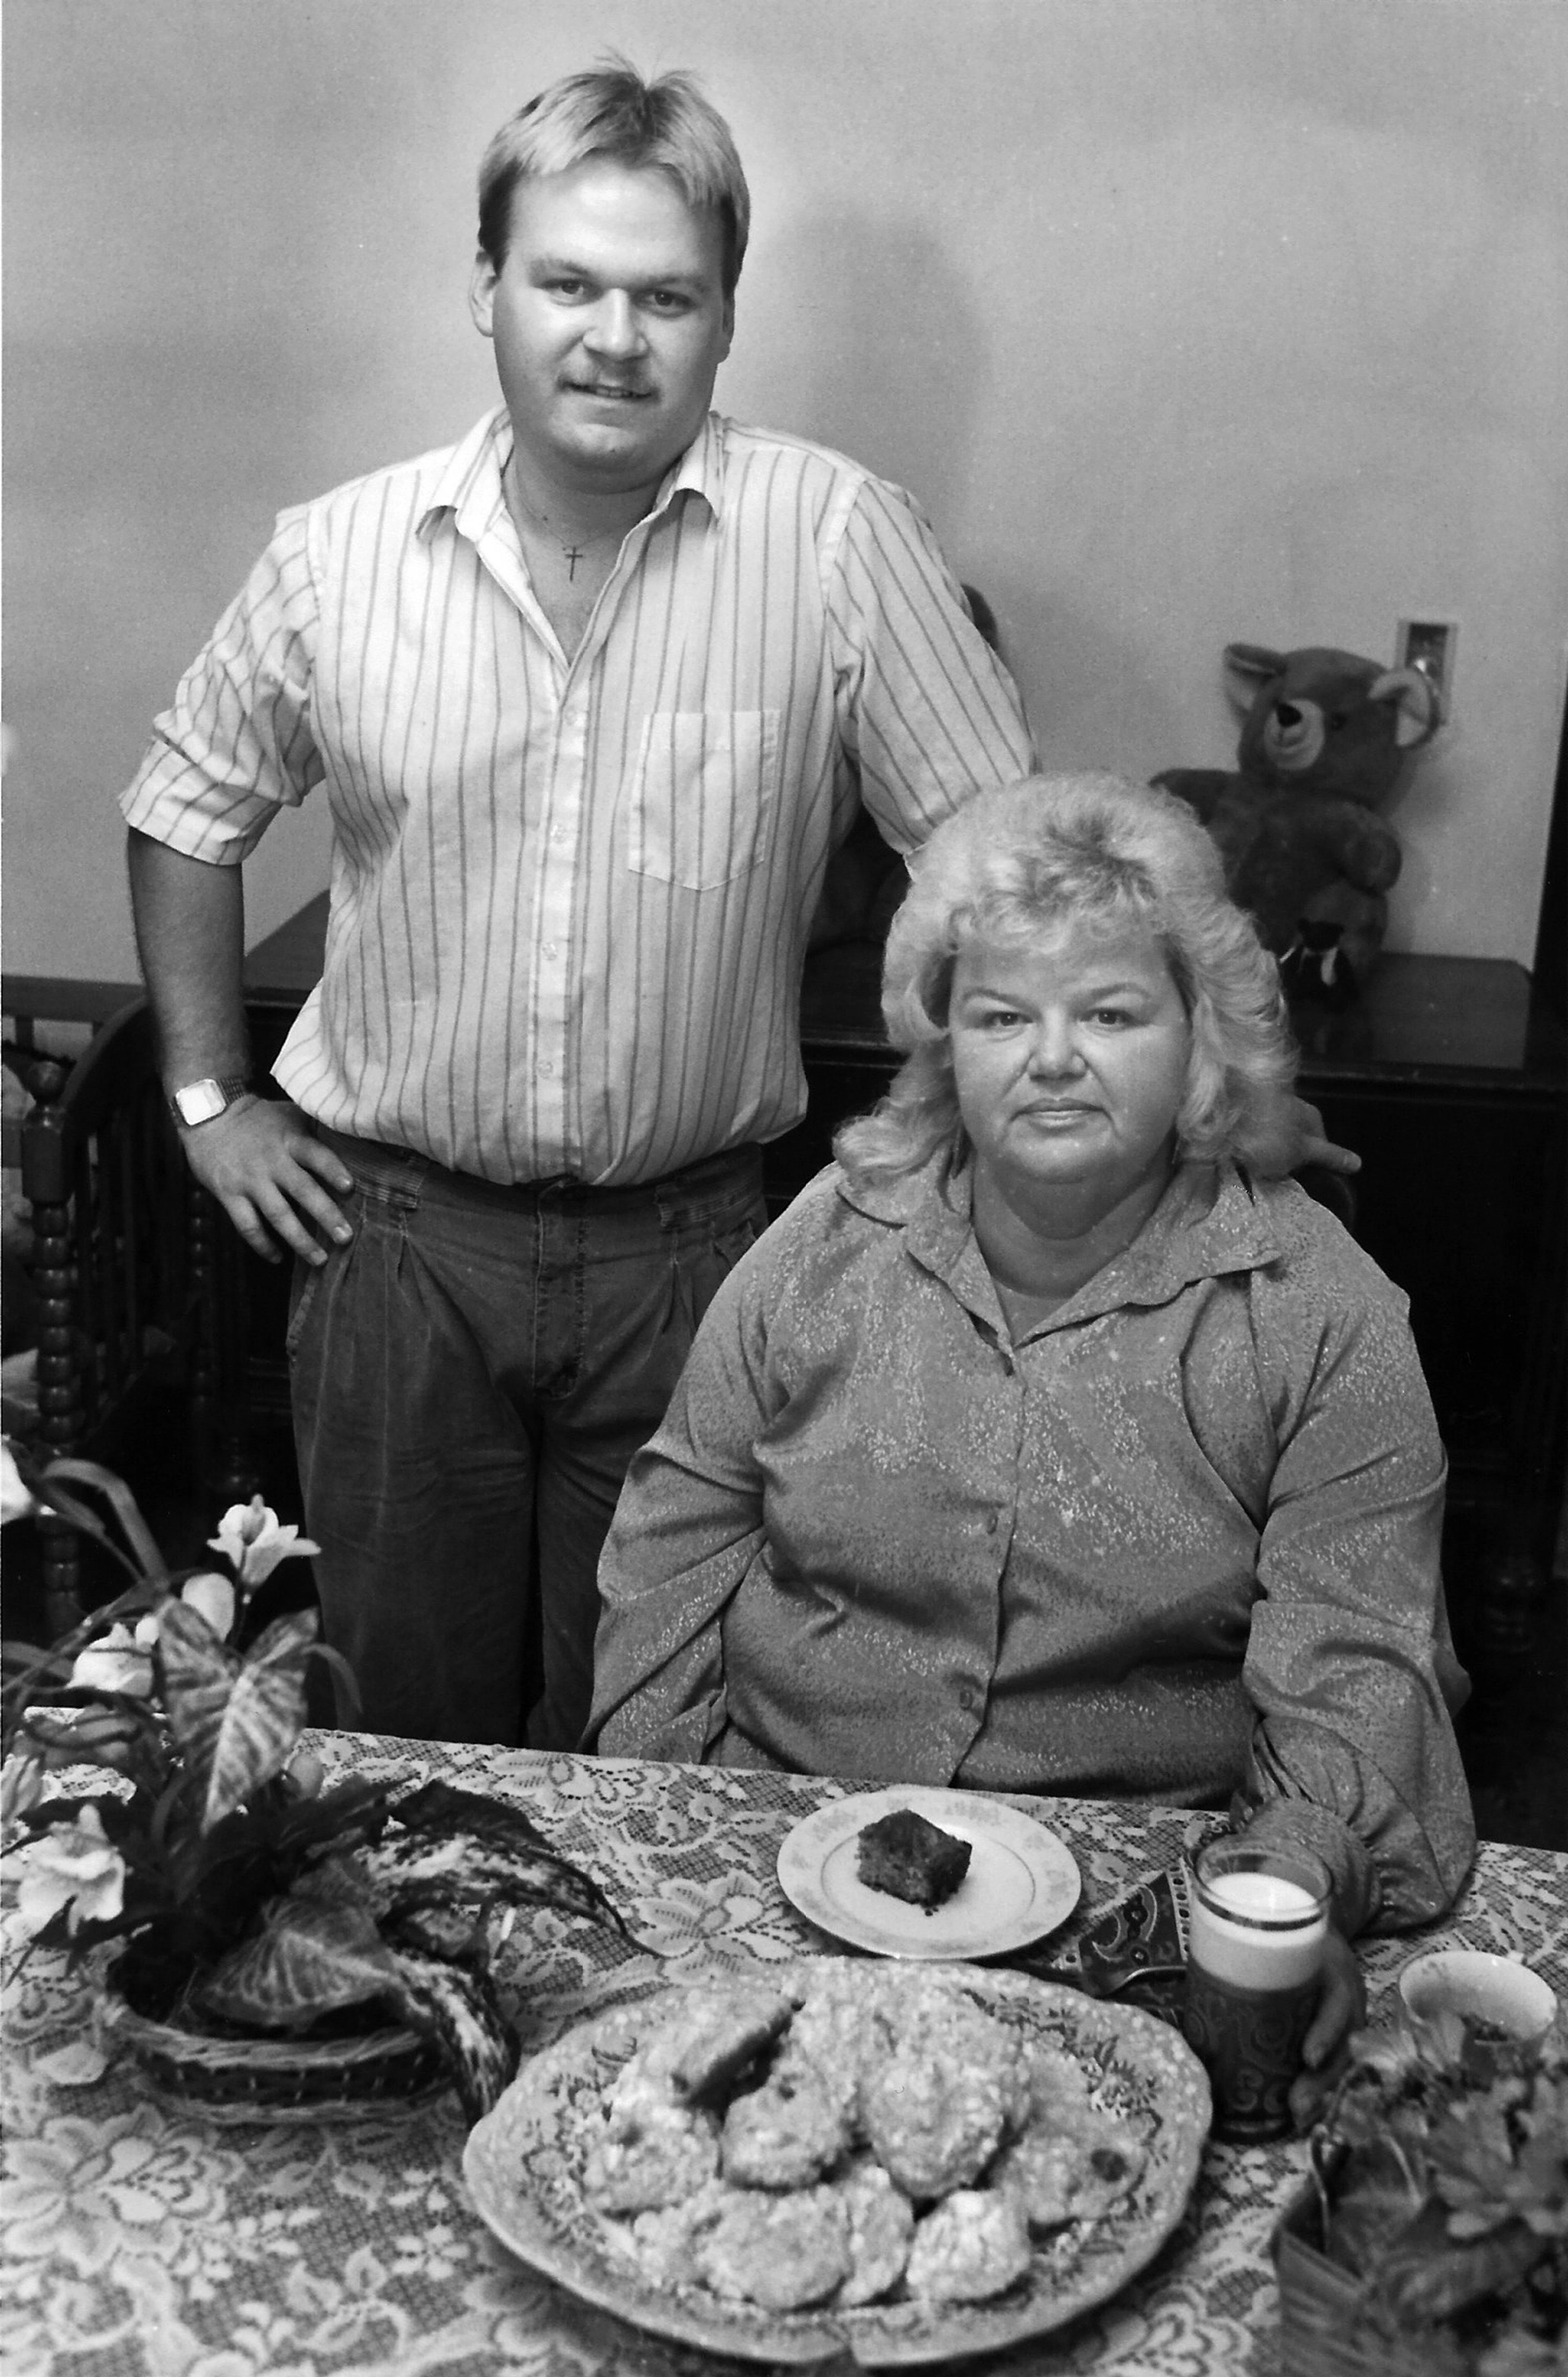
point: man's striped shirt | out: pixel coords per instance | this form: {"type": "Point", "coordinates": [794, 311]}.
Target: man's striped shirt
{"type": "Point", "coordinates": [570, 892]}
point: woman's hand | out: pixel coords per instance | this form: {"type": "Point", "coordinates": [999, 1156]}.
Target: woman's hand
{"type": "Point", "coordinates": [1342, 2008]}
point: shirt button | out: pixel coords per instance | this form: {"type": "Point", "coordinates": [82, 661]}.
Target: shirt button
{"type": "Point", "coordinates": [967, 1698]}
{"type": "Point", "coordinates": [558, 834]}
{"type": "Point", "coordinates": [549, 948]}
{"type": "Point", "coordinates": [991, 1524]}
{"type": "Point", "coordinates": [547, 1067]}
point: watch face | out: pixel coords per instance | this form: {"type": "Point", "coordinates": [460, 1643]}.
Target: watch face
{"type": "Point", "coordinates": [199, 1102]}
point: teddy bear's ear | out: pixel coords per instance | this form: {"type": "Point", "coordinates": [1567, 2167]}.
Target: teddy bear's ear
{"type": "Point", "coordinates": [1247, 666]}
{"type": "Point", "coordinates": [1420, 705]}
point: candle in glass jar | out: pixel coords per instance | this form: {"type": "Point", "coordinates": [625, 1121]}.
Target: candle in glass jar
{"type": "Point", "coordinates": [1257, 1931]}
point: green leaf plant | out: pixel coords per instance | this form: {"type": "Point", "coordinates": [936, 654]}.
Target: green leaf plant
{"type": "Point", "coordinates": [1441, 2171]}
{"type": "Point", "coordinates": [248, 1897]}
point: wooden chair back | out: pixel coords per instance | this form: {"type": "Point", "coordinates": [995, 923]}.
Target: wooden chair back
{"type": "Point", "coordinates": [136, 1274]}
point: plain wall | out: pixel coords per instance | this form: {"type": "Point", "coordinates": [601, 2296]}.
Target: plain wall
{"type": "Point", "coordinates": [1188, 320]}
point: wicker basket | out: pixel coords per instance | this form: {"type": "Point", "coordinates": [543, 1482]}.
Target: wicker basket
{"type": "Point", "coordinates": [376, 2074]}
{"type": "Point", "coordinates": [1324, 2331]}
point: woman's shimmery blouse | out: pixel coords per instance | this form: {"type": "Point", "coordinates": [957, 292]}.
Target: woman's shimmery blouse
{"type": "Point", "coordinates": [1179, 1542]}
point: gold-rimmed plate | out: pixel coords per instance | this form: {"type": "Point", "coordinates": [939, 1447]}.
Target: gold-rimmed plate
{"type": "Point", "coordinates": [1021, 1882]}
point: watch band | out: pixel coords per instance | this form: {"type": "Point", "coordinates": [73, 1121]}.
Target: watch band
{"type": "Point", "coordinates": [198, 1102]}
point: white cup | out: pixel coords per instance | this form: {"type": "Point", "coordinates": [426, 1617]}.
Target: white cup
{"type": "Point", "coordinates": [1495, 1990]}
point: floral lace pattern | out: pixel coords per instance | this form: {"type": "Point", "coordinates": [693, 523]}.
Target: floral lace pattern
{"type": "Point", "coordinates": [140, 2241]}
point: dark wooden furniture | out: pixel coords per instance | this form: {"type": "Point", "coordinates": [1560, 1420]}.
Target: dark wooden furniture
{"type": "Point", "coordinates": [1452, 1084]}
{"type": "Point", "coordinates": [136, 1279]}
{"type": "Point", "coordinates": [31, 998]}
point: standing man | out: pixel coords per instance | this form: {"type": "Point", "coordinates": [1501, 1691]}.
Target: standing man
{"type": "Point", "coordinates": [592, 696]}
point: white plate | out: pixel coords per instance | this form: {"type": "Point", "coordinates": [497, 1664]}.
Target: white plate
{"type": "Point", "coordinates": [1022, 1880]}
{"type": "Point", "coordinates": [524, 2165]}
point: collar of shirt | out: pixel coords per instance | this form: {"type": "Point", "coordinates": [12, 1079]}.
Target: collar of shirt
{"type": "Point", "coordinates": [1209, 1222]}
{"type": "Point", "coordinates": [469, 488]}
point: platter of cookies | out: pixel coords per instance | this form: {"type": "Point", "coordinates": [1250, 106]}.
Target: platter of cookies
{"type": "Point", "coordinates": [914, 1871]}
{"type": "Point", "coordinates": [900, 2163]}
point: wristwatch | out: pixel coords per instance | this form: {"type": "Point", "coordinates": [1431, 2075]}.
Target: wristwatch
{"type": "Point", "coordinates": [205, 1101]}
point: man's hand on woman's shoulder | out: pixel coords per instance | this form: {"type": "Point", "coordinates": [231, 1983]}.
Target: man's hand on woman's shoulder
{"type": "Point", "coordinates": [1304, 1144]}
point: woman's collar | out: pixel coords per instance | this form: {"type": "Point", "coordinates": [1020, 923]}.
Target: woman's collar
{"type": "Point", "coordinates": [1210, 1221]}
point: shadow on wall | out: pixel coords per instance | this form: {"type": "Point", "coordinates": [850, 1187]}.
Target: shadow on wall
{"type": "Point", "coordinates": [875, 342]}
{"type": "Point", "coordinates": [872, 345]}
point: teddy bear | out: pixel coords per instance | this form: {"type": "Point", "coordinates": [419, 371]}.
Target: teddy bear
{"type": "Point", "coordinates": [1324, 738]}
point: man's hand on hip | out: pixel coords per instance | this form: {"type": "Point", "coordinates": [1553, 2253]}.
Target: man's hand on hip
{"type": "Point", "coordinates": [276, 1182]}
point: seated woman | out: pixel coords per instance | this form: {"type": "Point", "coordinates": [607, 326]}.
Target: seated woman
{"type": "Point", "coordinates": [1042, 1445]}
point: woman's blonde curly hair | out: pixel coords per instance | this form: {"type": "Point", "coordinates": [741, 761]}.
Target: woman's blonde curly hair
{"type": "Point", "coordinates": [1086, 850]}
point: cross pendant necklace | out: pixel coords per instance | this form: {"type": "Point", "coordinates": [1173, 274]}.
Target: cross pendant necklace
{"type": "Point", "coordinates": [572, 552]}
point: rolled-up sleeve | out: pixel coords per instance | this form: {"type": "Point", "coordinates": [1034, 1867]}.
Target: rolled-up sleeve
{"type": "Point", "coordinates": [1350, 1662]}
{"type": "Point", "coordinates": [236, 745]}
{"type": "Point", "coordinates": [927, 710]}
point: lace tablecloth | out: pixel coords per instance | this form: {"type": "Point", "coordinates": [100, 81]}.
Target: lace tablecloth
{"type": "Point", "coordinates": [143, 2242]}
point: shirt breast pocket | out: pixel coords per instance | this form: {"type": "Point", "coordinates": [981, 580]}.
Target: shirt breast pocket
{"type": "Point", "coordinates": [702, 796]}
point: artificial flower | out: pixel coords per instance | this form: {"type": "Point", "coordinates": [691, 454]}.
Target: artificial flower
{"type": "Point", "coordinates": [214, 1598]}
{"type": "Point", "coordinates": [305, 1774]}
{"type": "Point", "coordinates": [248, 1535]}
{"type": "Point", "coordinates": [15, 1499]}
{"type": "Point", "coordinates": [235, 1874]}
{"type": "Point", "coordinates": [118, 1662]}
{"type": "Point", "coordinates": [104, 1737]}
{"type": "Point", "coordinates": [121, 1661]}
{"type": "Point", "coordinates": [21, 1784]}
{"type": "Point", "coordinates": [76, 1867]}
